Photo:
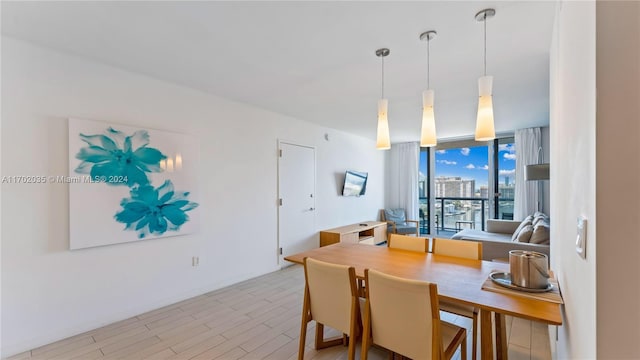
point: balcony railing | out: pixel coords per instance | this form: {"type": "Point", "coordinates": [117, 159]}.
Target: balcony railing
{"type": "Point", "coordinates": [456, 213]}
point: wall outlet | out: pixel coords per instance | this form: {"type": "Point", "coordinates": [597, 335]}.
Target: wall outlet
{"type": "Point", "coordinates": [195, 261]}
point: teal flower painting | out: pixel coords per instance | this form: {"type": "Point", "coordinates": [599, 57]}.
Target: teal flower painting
{"type": "Point", "coordinates": [123, 181]}
{"type": "Point", "coordinates": [117, 159]}
{"type": "Point", "coordinates": [155, 211]}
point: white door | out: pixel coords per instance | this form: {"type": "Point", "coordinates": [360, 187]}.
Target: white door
{"type": "Point", "coordinates": [296, 190]}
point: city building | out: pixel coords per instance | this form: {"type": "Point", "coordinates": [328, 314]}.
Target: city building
{"type": "Point", "coordinates": [454, 187]}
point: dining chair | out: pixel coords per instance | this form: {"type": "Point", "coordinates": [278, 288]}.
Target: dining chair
{"type": "Point", "coordinates": [403, 316]}
{"type": "Point", "coordinates": [330, 298]}
{"type": "Point", "coordinates": [406, 242]}
{"type": "Point", "coordinates": [467, 250]}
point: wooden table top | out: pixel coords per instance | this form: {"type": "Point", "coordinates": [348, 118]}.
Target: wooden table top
{"type": "Point", "coordinates": [458, 280]}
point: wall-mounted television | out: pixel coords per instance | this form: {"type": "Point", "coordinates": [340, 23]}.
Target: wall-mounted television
{"type": "Point", "coordinates": [355, 183]}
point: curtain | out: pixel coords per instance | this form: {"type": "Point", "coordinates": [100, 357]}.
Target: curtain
{"type": "Point", "coordinates": [403, 178]}
{"type": "Point", "coordinates": [528, 141]}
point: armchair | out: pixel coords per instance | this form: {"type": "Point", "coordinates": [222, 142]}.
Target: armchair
{"type": "Point", "coordinates": [397, 222]}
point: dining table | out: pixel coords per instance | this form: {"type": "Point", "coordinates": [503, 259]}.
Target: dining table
{"type": "Point", "coordinates": [459, 280]}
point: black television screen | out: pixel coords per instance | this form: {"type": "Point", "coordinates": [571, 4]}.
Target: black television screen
{"type": "Point", "coordinates": [355, 183]}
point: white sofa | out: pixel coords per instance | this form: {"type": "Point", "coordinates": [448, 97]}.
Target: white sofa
{"type": "Point", "coordinates": [497, 239]}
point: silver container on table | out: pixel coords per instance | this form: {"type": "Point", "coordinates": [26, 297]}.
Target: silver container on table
{"type": "Point", "coordinates": [529, 269]}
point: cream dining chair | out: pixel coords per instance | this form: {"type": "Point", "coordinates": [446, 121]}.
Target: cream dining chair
{"type": "Point", "coordinates": [467, 250]}
{"type": "Point", "coordinates": [330, 298]}
{"type": "Point", "coordinates": [402, 316]}
{"type": "Point", "coordinates": [406, 242]}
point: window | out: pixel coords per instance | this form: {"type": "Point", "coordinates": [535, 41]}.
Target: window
{"type": "Point", "coordinates": [467, 179]}
{"type": "Point", "coordinates": [505, 178]}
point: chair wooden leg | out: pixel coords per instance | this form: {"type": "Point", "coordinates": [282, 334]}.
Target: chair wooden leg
{"type": "Point", "coordinates": [353, 328]}
{"type": "Point", "coordinates": [352, 348]}
{"type": "Point", "coordinates": [474, 343]}
{"type": "Point", "coordinates": [463, 350]}
{"type": "Point", "coordinates": [303, 325]}
{"type": "Point", "coordinates": [364, 352]}
{"type": "Point", "coordinates": [321, 343]}
{"type": "Point", "coordinates": [303, 339]}
{"type": "Point", "coordinates": [319, 335]}
{"type": "Point", "coordinates": [366, 333]}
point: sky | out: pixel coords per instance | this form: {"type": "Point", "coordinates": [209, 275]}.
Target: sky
{"type": "Point", "coordinates": [472, 163]}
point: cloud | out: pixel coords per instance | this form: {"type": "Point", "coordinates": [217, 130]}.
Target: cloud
{"type": "Point", "coordinates": [470, 166]}
{"type": "Point", "coordinates": [507, 147]}
{"type": "Point", "coordinates": [509, 156]}
{"type": "Point", "coordinates": [446, 162]}
{"type": "Point", "coordinates": [508, 173]}
{"type": "Point", "coordinates": [441, 151]}
{"type": "Point", "coordinates": [486, 167]}
{"type": "Point", "coordinates": [465, 151]}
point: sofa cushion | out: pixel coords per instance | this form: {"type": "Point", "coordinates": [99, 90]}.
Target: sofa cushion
{"type": "Point", "coordinates": [473, 234]}
{"type": "Point", "coordinates": [541, 234]}
{"type": "Point", "coordinates": [395, 215]}
{"type": "Point", "coordinates": [525, 222]}
{"type": "Point", "coordinates": [525, 234]}
{"type": "Point", "coordinates": [405, 229]}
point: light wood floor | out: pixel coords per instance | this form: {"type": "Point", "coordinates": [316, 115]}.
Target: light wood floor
{"type": "Point", "coordinates": [255, 319]}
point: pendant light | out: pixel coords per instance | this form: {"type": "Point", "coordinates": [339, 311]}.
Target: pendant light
{"type": "Point", "coordinates": [485, 128]}
{"type": "Point", "coordinates": [383, 141]}
{"type": "Point", "coordinates": [428, 133]}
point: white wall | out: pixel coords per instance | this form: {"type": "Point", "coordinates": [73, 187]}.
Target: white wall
{"type": "Point", "coordinates": [618, 179]}
{"type": "Point", "coordinates": [48, 292]}
{"type": "Point", "coordinates": [595, 172]}
{"type": "Point", "coordinates": [573, 173]}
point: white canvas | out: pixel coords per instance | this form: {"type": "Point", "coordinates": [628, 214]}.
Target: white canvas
{"type": "Point", "coordinates": [129, 184]}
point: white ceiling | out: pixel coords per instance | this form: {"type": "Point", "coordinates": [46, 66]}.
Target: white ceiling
{"type": "Point", "coordinates": [315, 60]}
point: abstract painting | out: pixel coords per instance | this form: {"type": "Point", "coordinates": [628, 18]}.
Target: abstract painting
{"type": "Point", "coordinates": [129, 184]}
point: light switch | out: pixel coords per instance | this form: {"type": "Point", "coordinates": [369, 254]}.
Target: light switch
{"type": "Point", "coordinates": [581, 238]}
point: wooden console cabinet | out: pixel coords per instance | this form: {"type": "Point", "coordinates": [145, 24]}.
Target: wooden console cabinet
{"type": "Point", "coordinates": [367, 232]}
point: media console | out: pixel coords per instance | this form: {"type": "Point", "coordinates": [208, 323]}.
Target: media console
{"type": "Point", "coordinates": [366, 232]}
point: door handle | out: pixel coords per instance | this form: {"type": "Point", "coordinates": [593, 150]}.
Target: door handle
{"type": "Point", "coordinates": [311, 209]}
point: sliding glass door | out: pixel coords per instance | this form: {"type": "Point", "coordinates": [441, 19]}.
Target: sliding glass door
{"type": "Point", "coordinates": [505, 178]}
{"type": "Point", "coordinates": [463, 183]}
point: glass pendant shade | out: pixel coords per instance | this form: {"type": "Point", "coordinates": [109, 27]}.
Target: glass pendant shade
{"type": "Point", "coordinates": [428, 134]}
{"type": "Point", "coordinates": [383, 141]}
{"type": "Point", "coordinates": [485, 129]}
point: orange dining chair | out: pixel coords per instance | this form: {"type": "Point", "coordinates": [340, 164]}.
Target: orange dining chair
{"type": "Point", "coordinates": [406, 242]}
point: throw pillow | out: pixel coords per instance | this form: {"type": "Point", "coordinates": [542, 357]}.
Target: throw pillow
{"type": "Point", "coordinates": [541, 234]}
{"type": "Point", "coordinates": [540, 218]}
{"type": "Point", "coordinates": [525, 234]}
{"type": "Point", "coordinates": [544, 222]}
{"type": "Point", "coordinates": [395, 215]}
{"type": "Point", "coordinates": [525, 222]}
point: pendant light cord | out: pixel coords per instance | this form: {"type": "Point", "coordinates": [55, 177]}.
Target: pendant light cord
{"type": "Point", "coordinates": [428, 64]}
{"type": "Point", "coordinates": [382, 96]}
{"type": "Point", "coordinates": [485, 44]}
